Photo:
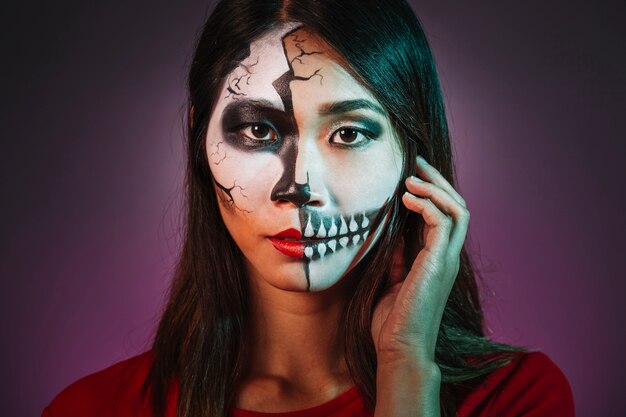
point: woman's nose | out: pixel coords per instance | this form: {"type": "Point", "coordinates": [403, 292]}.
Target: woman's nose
{"type": "Point", "coordinates": [287, 189]}
{"type": "Point", "coordinates": [299, 183]}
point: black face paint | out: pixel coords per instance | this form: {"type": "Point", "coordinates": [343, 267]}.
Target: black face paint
{"type": "Point", "coordinates": [287, 188]}
{"type": "Point", "coordinates": [317, 230]}
{"type": "Point", "coordinates": [326, 235]}
{"type": "Point", "coordinates": [241, 113]}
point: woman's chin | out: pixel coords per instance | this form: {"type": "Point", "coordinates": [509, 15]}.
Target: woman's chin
{"type": "Point", "coordinates": [302, 275]}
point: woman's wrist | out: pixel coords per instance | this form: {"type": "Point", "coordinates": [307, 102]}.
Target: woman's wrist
{"type": "Point", "coordinates": [407, 388]}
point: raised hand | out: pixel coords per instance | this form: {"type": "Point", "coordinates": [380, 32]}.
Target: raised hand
{"type": "Point", "coordinates": [406, 321]}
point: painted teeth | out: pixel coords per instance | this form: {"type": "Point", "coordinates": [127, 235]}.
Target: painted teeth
{"type": "Point", "coordinates": [333, 230]}
{"type": "Point", "coordinates": [344, 231]}
{"type": "Point", "coordinates": [308, 230]}
{"type": "Point", "coordinates": [344, 228]}
{"type": "Point", "coordinates": [365, 222]}
{"type": "Point", "coordinates": [321, 248]}
{"type": "Point", "coordinates": [322, 231]}
{"type": "Point", "coordinates": [353, 226]}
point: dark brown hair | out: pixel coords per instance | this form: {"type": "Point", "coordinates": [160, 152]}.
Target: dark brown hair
{"type": "Point", "coordinates": [201, 339]}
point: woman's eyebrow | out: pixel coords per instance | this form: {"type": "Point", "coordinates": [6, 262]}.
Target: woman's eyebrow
{"type": "Point", "coordinates": [251, 104]}
{"type": "Point", "coordinates": [339, 107]}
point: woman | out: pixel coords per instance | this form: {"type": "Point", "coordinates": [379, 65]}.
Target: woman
{"type": "Point", "coordinates": [323, 269]}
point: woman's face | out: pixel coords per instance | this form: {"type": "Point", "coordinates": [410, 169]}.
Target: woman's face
{"type": "Point", "coordinates": [303, 158]}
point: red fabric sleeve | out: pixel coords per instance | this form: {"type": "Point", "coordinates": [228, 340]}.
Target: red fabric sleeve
{"type": "Point", "coordinates": [114, 391]}
{"type": "Point", "coordinates": [530, 386]}
{"type": "Point", "coordinates": [538, 389]}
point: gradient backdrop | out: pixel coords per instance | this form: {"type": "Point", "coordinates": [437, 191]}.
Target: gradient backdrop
{"type": "Point", "coordinates": [92, 164]}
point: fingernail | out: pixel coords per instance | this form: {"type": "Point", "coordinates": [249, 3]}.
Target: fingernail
{"type": "Point", "coordinates": [421, 159]}
{"type": "Point", "coordinates": [415, 179]}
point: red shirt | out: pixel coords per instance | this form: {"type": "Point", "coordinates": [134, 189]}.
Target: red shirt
{"type": "Point", "coordinates": [531, 386]}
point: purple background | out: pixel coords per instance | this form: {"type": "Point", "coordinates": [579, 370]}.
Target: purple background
{"type": "Point", "coordinates": [92, 164]}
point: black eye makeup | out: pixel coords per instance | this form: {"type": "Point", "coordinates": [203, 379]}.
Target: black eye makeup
{"type": "Point", "coordinates": [259, 132]}
{"type": "Point", "coordinates": [355, 132]}
{"type": "Point", "coordinates": [255, 125]}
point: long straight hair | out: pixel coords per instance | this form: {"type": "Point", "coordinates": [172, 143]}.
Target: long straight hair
{"type": "Point", "coordinates": [200, 345]}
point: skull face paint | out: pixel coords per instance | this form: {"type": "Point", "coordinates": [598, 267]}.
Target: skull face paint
{"type": "Point", "coordinates": [304, 161]}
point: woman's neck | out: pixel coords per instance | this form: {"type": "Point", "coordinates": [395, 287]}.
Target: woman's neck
{"type": "Point", "coordinates": [296, 343]}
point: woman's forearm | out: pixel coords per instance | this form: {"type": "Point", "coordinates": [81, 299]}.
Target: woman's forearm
{"type": "Point", "coordinates": [407, 390]}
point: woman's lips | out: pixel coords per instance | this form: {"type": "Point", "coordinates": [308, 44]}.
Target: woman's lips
{"type": "Point", "coordinates": [288, 234]}
{"type": "Point", "coordinates": [289, 247]}
{"type": "Point", "coordinates": [288, 242]}
{"type": "Point", "coordinates": [291, 243]}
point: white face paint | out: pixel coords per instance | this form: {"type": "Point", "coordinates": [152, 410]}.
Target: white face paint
{"type": "Point", "coordinates": [304, 159]}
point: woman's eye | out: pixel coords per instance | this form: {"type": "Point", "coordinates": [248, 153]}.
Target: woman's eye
{"type": "Point", "coordinates": [349, 136]}
{"type": "Point", "coordinates": [259, 132]}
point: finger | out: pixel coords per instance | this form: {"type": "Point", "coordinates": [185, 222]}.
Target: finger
{"type": "Point", "coordinates": [430, 174]}
{"type": "Point", "coordinates": [442, 199]}
{"type": "Point", "coordinates": [459, 232]}
{"type": "Point", "coordinates": [431, 260]}
{"type": "Point", "coordinates": [447, 205]}
{"type": "Point", "coordinates": [434, 218]}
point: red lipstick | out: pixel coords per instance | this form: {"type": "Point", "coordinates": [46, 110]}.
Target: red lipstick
{"type": "Point", "coordinates": [288, 243]}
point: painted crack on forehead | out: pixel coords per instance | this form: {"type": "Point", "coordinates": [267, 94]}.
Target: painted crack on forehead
{"type": "Point", "coordinates": [298, 43]}
{"type": "Point", "coordinates": [233, 82]}
{"type": "Point", "coordinates": [297, 51]}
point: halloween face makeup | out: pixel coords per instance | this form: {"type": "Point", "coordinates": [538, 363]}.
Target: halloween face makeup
{"type": "Point", "coordinates": [304, 161]}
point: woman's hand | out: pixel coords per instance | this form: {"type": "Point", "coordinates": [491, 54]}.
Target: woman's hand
{"type": "Point", "coordinates": [406, 321]}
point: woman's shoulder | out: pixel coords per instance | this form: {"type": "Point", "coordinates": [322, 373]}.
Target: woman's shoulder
{"type": "Point", "coordinates": [531, 382]}
{"type": "Point", "coordinates": [115, 390]}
